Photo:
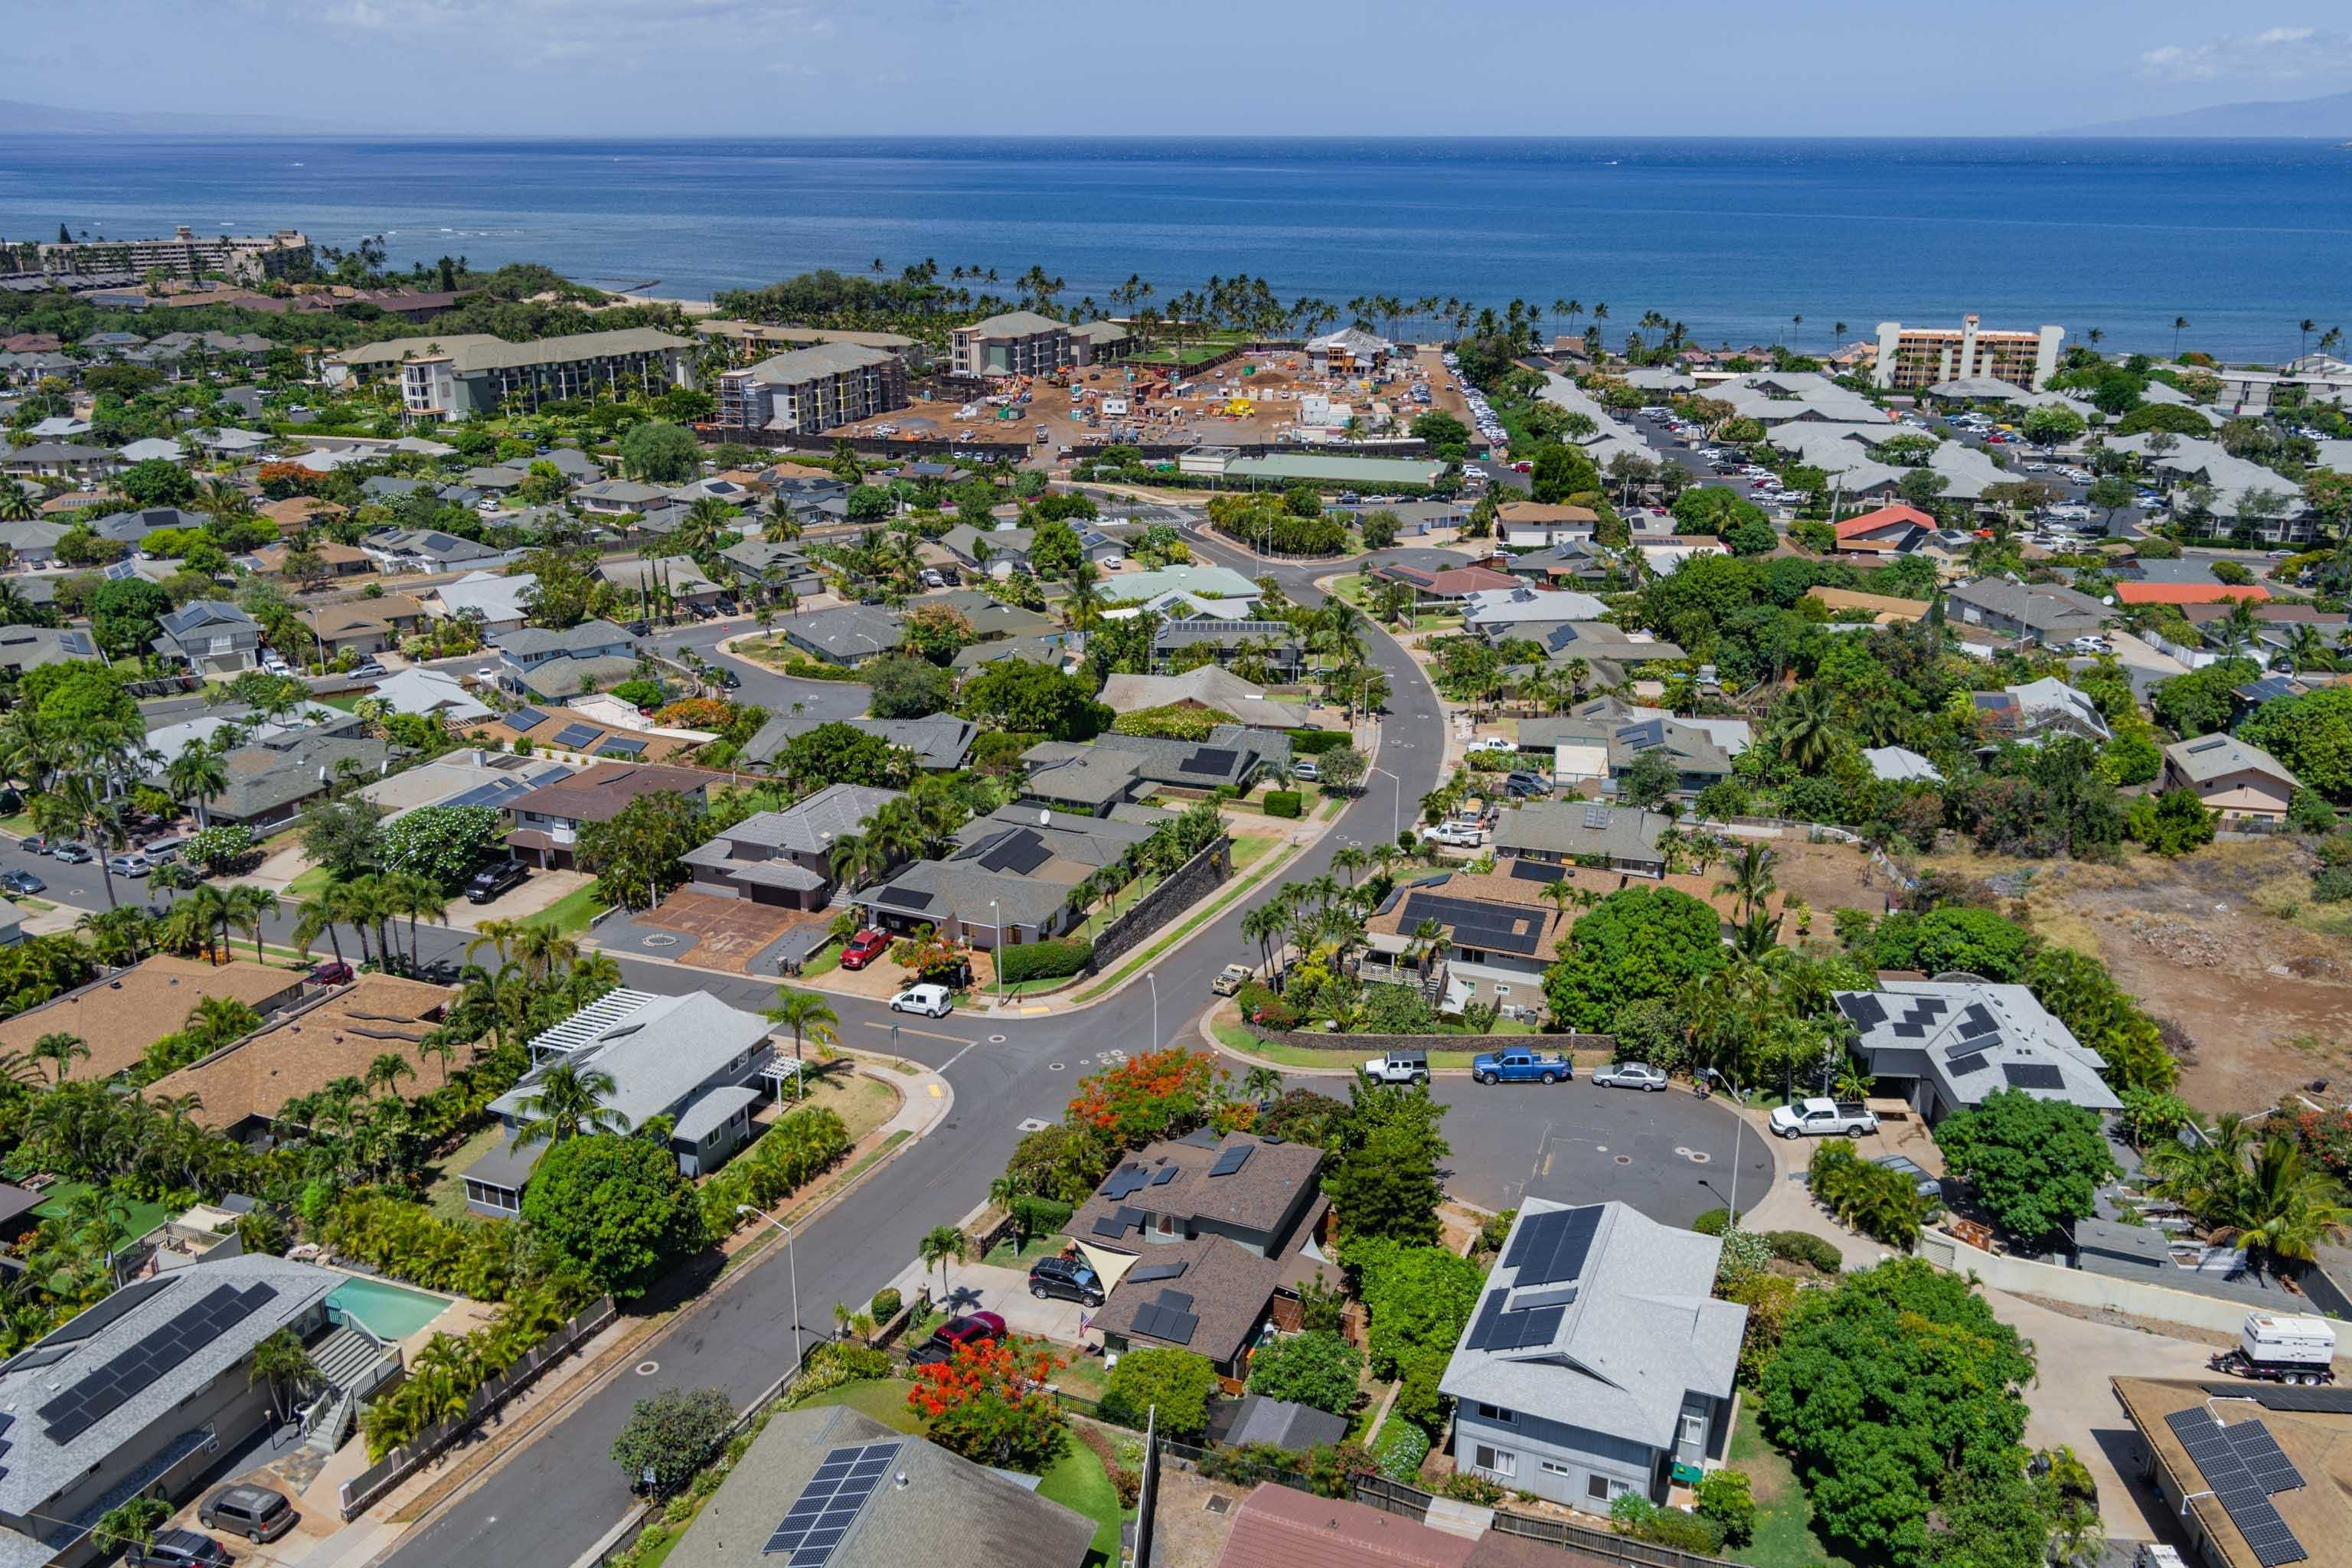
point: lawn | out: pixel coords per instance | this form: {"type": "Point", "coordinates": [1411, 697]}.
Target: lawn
{"type": "Point", "coordinates": [1075, 1480]}
{"type": "Point", "coordinates": [1784, 1515]}
{"type": "Point", "coordinates": [309, 885]}
{"type": "Point", "coordinates": [883, 1398]}
{"type": "Point", "coordinates": [573, 912]}
{"type": "Point", "coordinates": [141, 1218]}
{"type": "Point", "coordinates": [863, 1103]}
{"type": "Point", "coordinates": [824, 962]}
{"type": "Point", "coordinates": [1005, 1255]}
{"type": "Point", "coordinates": [446, 1193]}
{"type": "Point", "coordinates": [1238, 1037]}
{"type": "Point", "coordinates": [1248, 847]}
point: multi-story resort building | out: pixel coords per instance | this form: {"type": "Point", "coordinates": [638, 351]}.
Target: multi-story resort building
{"type": "Point", "coordinates": [1022, 343]}
{"type": "Point", "coordinates": [1911, 359]}
{"type": "Point", "coordinates": [458, 377]}
{"type": "Point", "coordinates": [811, 389]}
{"type": "Point", "coordinates": [185, 253]}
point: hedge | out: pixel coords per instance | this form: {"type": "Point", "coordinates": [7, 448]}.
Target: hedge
{"type": "Point", "coordinates": [1315, 743]}
{"type": "Point", "coordinates": [1285, 803]}
{"type": "Point", "coordinates": [1804, 1247]}
{"type": "Point", "coordinates": [1044, 961]}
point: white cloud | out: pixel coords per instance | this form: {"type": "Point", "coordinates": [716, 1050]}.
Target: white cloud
{"type": "Point", "coordinates": [574, 36]}
{"type": "Point", "coordinates": [2275, 54]}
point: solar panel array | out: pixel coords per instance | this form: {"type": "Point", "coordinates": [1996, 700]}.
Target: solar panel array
{"type": "Point", "coordinates": [1211, 761]}
{"type": "Point", "coordinates": [903, 898]}
{"type": "Point", "coordinates": [107, 1388]}
{"type": "Point", "coordinates": [1126, 1181]}
{"type": "Point", "coordinates": [1921, 1016]}
{"type": "Point", "coordinates": [2032, 1075]}
{"type": "Point", "coordinates": [621, 746]}
{"type": "Point", "coordinates": [2243, 1493]}
{"type": "Point", "coordinates": [1537, 871]}
{"type": "Point", "coordinates": [1165, 1174]}
{"type": "Point", "coordinates": [1596, 816]}
{"type": "Point", "coordinates": [1169, 1317]}
{"type": "Point", "coordinates": [1499, 1327]}
{"type": "Point", "coordinates": [1977, 1021]}
{"type": "Point", "coordinates": [2286, 1397]}
{"type": "Point", "coordinates": [1864, 1008]}
{"type": "Point", "coordinates": [524, 719]}
{"type": "Point", "coordinates": [1232, 1160]}
{"type": "Point", "coordinates": [1961, 1066]}
{"type": "Point", "coordinates": [1474, 924]}
{"type": "Point", "coordinates": [1018, 851]}
{"type": "Point", "coordinates": [573, 737]}
{"type": "Point", "coordinates": [1151, 1271]}
{"type": "Point", "coordinates": [827, 1508]}
{"type": "Point", "coordinates": [1552, 1247]}
{"type": "Point", "coordinates": [2264, 1458]}
{"type": "Point", "coordinates": [85, 1325]}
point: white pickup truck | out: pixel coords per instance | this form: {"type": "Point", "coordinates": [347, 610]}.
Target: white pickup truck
{"type": "Point", "coordinates": [1825, 1118]}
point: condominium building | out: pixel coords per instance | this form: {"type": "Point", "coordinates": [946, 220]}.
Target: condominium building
{"type": "Point", "coordinates": [812, 389]}
{"type": "Point", "coordinates": [479, 375]}
{"type": "Point", "coordinates": [185, 253]}
{"type": "Point", "coordinates": [1913, 358]}
{"type": "Point", "coordinates": [1022, 343]}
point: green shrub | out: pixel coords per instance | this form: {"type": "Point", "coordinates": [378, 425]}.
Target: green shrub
{"type": "Point", "coordinates": [1465, 1486]}
{"type": "Point", "coordinates": [1399, 1450]}
{"type": "Point", "coordinates": [1315, 743]}
{"type": "Point", "coordinates": [1492, 1235]}
{"type": "Point", "coordinates": [2333, 885]}
{"type": "Point", "coordinates": [1035, 1215]}
{"type": "Point", "coordinates": [1260, 1005]}
{"type": "Point", "coordinates": [1179, 1383]}
{"type": "Point", "coordinates": [1635, 1515]}
{"type": "Point", "coordinates": [1285, 803]}
{"type": "Point", "coordinates": [1714, 1222]}
{"type": "Point", "coordinates": [885, 1305]}
{"type": "Point", "coordinates": [1874, 1200]}
{"type": "Point", "coordinates": [1804, 1247]}
{"type": "Point", "coordinates": [1727, 1502]}
{"type": "Point", "coordinates": [1044, 961]}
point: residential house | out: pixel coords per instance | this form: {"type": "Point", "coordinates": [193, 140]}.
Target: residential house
{"type": "Point", "coordinates": [133, 528]}
{"type": "Point", "coordinates": [570, 731]}
{"type": "Point", "coordinates": [2132, 592]}
{"type": "Point", "coordinates": [1452, 585]}
{"type": "Point", "coordinates": [788, 1490]}
{"type": "Point", "coordinates": [1945, 1043]}
{"type": "Point", "coordinates": [990, 617]}
{"type": "Point", "coordinates": [771, 569]}
{"type": "Point", "coordinates": [1013, 875]}
{"type": "Point", "coordinates": [475, 777]}
{"type": "Point", "coordinates": [1215, 590]}
{"type": "Point", "coordinates": [1542, 525]}
{"type": "Point", "coordinates": [365, 625]}
{"type": "Point", "coordinates": [334, 559]}
{"type": "Point", "coordinates": [1195, 1238]}
{"type": "Point", "coordinates": [425, 549]}
{"type": "Point", "coordinates": [846, 636]}
{"type": "Point", "coordinates": [617, 498]}
{"type": "Point", "coordinates": [2196, 1442]}
{"type": "Point", "coordinates": [690, 1058]}
{"type": "Point", "coordinates": [808, 391]}
{"type": "Point", "coordinates": [119, 1017]}
{"type": "Point", "coordinates": [336, 1033]}
{"type": "Point", "coordinates": [1896, 530]}
{"type": "Point", "coordinates": [33, 542]}
{"type": "Point", "coordinates": [1497, 614]}
{"type": "Point", "coordinates": [557, 664]}
{"type": "Point", "coordinates": [1899, 764]}
{"type": "Point", "coordinates": [58, 460]}
{"type": "Point", "coordinates": [30, 648]}
{"type": "Point", "coordinates": [1601, 742]}
{"type": "Point", "coordinates": [1499, 930]}
{"type": "Point", "coordinates": [939, 742]}
{"type": "Point", "coordinates": [548, 820]}
{"type": "Point", "coordinates": [270, 780]}
{"type": "Point", "coordinates": [2040, 709]}
{"type": "Point", "coordinates": [296, 513]}
{"type": "Point", "coordinates": [211, 635]}
{"type": "Point", "coordinates": [1878, 609]}
{"type": "Point", "coordinates": [1208, 689]}
{"type": "Point", "coordinates": [1180, 643]}
{"type": "Point", "coordinates": [2195, 468]}
{"type": "Point", "coordinates": [1579, 833]}
{"type": "Point", "coordinates": [500, 604]}
{"type": "Point", "coordinates": [2044, 614]}
{"type": "Point", "coordinates": [430, 693]}
{"type": "Point", "coordinates": [671, 579]}
{"type": "Point", "coordinates": [784, 858]}
{"type": "Point", "coordinates": [12, 931]}
{"type": "Point", "coordinates": [143, 1394]}
{"type": "Point", "coordinates": [1598, 1361]}
{"type": "Point", "coordinates": [1350, 352]}
{"type": "Point", "coordinates": [1089, 778]}
{"type": "Point", "coordinates": [1281, 1526]}
{"type": "Point", "coordinates": [999, 551]}
{"type": "Point", "coordinates": [2234, 778]}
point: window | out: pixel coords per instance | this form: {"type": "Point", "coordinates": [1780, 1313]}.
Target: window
{"type": "Point", "coordinates": [1502, 991]}
{"type": "Point", "coordinates": [1497, 1462]}
{"type": "Point", "coordinates": [1604, 1488]}
{"type": "Point", "coordinates": [1497, 1414]}
{"type": "Point", "coordinates": [1693, 1428]}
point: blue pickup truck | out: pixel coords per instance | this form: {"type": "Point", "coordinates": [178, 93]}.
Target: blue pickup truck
{"type": "Point", "coordinates": [1522, 1067]}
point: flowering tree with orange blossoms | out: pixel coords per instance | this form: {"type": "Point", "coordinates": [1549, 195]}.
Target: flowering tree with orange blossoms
{"type": "Point", "coordinates": [990, 1404]}
{"type": "Point", "coordinates": [1157, 1094]}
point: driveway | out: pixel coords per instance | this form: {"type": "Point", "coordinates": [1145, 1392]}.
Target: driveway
{"type": "Point", "coordinates": [535, 892]}
{"type": "Point", "coordinates": [727, 932]}
{"type": "Point", "coordinates": [1005, 1292]}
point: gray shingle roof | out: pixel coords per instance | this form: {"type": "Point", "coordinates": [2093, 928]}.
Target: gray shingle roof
{"type": "Point", "coordinates": [939, 740]}
{"type": "Point", "coordinates": [588, 637]}
{"type": "Point", "coordinates": [1967, 1036]}
{"type": "Point", "coordinates": [810, 827]}
{"type": "Point", "coordinates": [2211, 757]}
{"type": "Point", "coordinates": [1581, 828]}
{"type": "Point", "coordinates": [657, 1052]}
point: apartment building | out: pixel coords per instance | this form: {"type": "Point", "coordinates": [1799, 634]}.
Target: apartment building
{"type": "Point", "coordinates": [185, 253]}
{"type": "Point", "coordinates": [1911, 359]}
{"type": "Point", "coordinates": [481, 375]}
{"type": "Point", "coordinates": [806, 390]}
{"type": "Point", "coordinates": [1018, 342]}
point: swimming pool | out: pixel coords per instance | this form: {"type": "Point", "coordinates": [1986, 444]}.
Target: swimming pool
{"type": "Point", "coordinates": [391, 1312]}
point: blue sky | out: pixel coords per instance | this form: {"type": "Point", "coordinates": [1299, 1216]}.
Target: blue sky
{"type": "Point", "coordinates": [1222, 66]}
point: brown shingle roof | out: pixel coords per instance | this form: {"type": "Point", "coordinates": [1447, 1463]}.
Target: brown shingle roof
{"type": "Point", "coordinates": [364, 615]}
{"type": "Point", "coordinates": [375, 1014]}
{"type": "Point", "coordinates": [1231, 1288]}
{"type": "Point", "coordinates": [1256, 1198]}
{"type": "Point", "coordinates": [119, 1017]}
{"type": "Point", "coordinates": [2320, 1444]}
{"type": "Point", "coordinates": [604, 792]}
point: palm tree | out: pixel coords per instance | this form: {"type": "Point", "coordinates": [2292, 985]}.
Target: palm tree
{"type": "Point", "coordinates": [60, 1048]}
{"type": "Point", "coordinates": [2180, 325]}
{"type": "Point", "coordinates": [493, 935]}
{"type": "Point", "coordinates": [407, 893]}
{"type": "Point", "coordinates": [2285, 1208]}
{"type": "Point", "coordinates": [281, 1361]}
{"type": "Point", "coordinates": [541, 949]}
{"type": "Point", "coordinates": [1351, 859]}
{"type": "Point", "coordinates": [568, 1098]}
{"type": "Point", "coordinates": [1262, 924]}
{"type": "Point", "coordinates": [1262, 1083]}
{"type": "Point", "coordinates": [1559, 894]}
{"type": "Point", "coordinates": [384, 1073]}
{"type": "Point", "coordinates": [198, 774]}
{"type": "Point", "coordinates": [2306, 326]}
{"type": "Point", "coordinates": [1750, 882]}
{"type": "Point", "coordinates": [250, 906]}
{"type": "Point", "coordinates": [805, 1012]}
{"type": "Point", "coordinates": [1804, 726]}
{"type": "Point", "coordinates": [941, 1245]}
{"type": "Point", "coordinates": [316, 921]}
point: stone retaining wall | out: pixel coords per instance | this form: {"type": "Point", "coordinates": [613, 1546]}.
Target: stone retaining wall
{"type": "Point", "coordinates": [1581, 1047]}
{"type": "Point", "coordinates": [1193, 880]}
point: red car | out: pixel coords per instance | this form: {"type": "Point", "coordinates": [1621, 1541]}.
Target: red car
{"type": "Point", "coordinates": [332, 972]}
{"type": "Point", "coordinates": [865, 947]}
{"type": "Point", "coordinates": [970, 1329]}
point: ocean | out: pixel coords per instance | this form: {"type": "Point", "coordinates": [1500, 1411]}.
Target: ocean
{"type": "Point", "coordinates": [1734, 239]}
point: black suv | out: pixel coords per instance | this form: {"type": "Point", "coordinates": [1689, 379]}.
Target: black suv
{"type": "Point", "coordinates": [491, 880]}
{"type": "Point", "coordinates": [1067, 1277]}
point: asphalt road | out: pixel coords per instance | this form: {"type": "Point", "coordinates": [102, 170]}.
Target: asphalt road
{"type": "Point", "coordinates": [552, 1500]}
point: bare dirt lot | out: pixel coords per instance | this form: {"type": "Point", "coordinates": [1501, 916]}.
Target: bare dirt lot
{"type": "Point", "coordinates": [2225, 945]}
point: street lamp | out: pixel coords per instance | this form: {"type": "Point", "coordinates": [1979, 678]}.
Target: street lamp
{"type": "Point", "coordinates": [996, 957]}
{"type": "Point", "coordinates": [1155, 1007]}
{"type": "Point", "coordinates": [794, 1262]}
{"type": "Point", "coordinates": [1396, 802]}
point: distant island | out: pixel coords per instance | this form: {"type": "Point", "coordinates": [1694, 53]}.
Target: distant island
{"type": "Point", "coordinates": [2328, 117]}
{"type": "Point", "coordinates": [49, 119]}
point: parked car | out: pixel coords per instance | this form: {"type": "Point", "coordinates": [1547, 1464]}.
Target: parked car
{"type": "Point", "coordinates": [258, 1513]}
{"type": "Point", "coordinates": [179, 1549]}
{"type": "Point", "coordinates": [640, 628]}
{"type": "Point", "coordinates": [33, 844]}
{"type": "Point", "coordinates": [20, 882]}
{"type": "Point", "coordinates": [1455, 835]}
{"type": "Point", "coordinates": [369, 668]}
{"type": "Point", "coordinates": [1823, 1119]}
{"type": "Point", "coordinates": [164, 851]}
{"type": "Point", "coordinates": [865, 947]}
{"type": "Point", "coordinates": [131, 865]}
{"type": "Point", "coordinates": [1925, 1185]}
{"type": "Point", "coordinates": [970, 1329]}
{"type": "Point", "coordinates": [1492, 743]}
{"type": "Point", "coordinates": [1067, 1277]}
{"type": "Point", "coordinates": [1519, 783]}
{"type": "Point", "coordinates": [494, 879]}
{"type": "Point", "coordinates": [1305, 768]}
{"type": "Point", "coordinates": [1631, 1075]}
{"type": "Point", "coordinates": [931, 1001]}
{"type": "Point", "coordinates": [74, 854]}
{"type": "Point", "coordinates": [1399, 1066]}
{"type": "Point", "coordinates": [1520, 1065]}
{"type": "Point", "coordinates": [1231, 978]}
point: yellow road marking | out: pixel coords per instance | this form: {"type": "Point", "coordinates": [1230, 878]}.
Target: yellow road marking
{"type": "Point", "coordinates": [937, 1092]}
{"type": "Point", "coordinates": [1034, 1012]}
{"type": "Point", "coordinates": [927, 1034]}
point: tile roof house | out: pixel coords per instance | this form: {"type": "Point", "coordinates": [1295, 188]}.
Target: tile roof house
{"type": "Point", "coordinates": [336, 1034]}
{"type": "Point", "coordinates": [922, 1496]}
{"type": "Point", "coordinates": [773, 567]}
{"type": "Point", "coordinates": [134, 1394]}
{"type": "Point", "coordinates": [2128, 592]}
{"type": "Point", "coordinates": [1954, 1041]}
{"type": "Point", "coordinates": [2235, 778]}
{"type": "Point", "coordinates": [119, 1017]}
{"type": "Point", "coordinates": [784, 858]}
{"type": "Point", "coordinates": [1526, 525]}
{"type": "Point", "coordinates": [692, 1057]}
{"type": "Point", "coordinates": [548, 819]}
{"type": "Point", "coordinates": [1195, 1236]}
{"type": "Point", "coordinates": [1280, 1527]}
{"type": "Point", "coordinates": [1891, 529]}
{"type": "Point", "coordinates": [562, 663]}
{"type": "Point", "coordinates": [1598, 1362]}
{"type": "Point", "coordinates": [212, 636]}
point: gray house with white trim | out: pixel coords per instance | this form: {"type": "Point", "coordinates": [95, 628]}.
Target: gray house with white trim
{"type": "Point", "coordinates": [1944, 1044]}
{"type": "Point", "coordinates": [1598, 1361]}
